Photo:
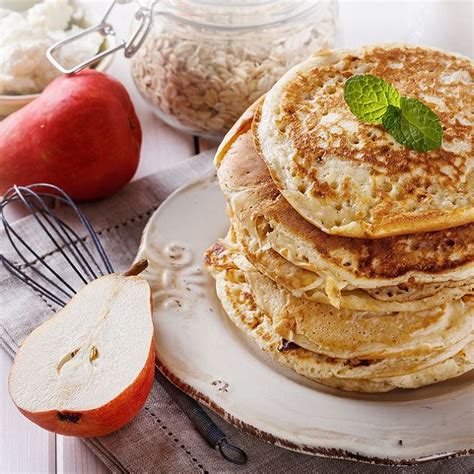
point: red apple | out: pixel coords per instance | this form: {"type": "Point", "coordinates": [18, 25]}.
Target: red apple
{"type": "Point", "coordinates": [88, 370]}
{"type": "Point", "coordinates": [81, 134]}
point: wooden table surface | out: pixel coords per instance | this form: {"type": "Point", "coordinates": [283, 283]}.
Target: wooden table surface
{"type": "Point", "coordinates": [24, 447]}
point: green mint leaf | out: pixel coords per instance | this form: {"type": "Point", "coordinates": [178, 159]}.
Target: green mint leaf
{"type": "Point", "coordinates": [392, 123]}
{"type": "Point", "coordinates": [368, 97]}
{"type": "Point", "coordinates": [414, 125]}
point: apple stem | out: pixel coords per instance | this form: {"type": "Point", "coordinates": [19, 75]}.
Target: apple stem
{"type": "Point", "coordinates": [136, 268]}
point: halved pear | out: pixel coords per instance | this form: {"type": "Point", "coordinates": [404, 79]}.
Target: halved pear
{"type": "Point", "coordinates": [88, 370]}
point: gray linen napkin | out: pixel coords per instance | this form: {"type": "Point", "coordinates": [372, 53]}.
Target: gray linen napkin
{"type": "Point", "coordinates": [160, 438]}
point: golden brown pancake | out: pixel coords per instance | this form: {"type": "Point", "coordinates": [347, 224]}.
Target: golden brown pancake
{"type": "Point", "coordinates": [272, 223]}
{"type": "Point", "coordinates": [312, 286]}
{"type": "Point", "coordinates": [363, 375]}
{"type": "Point", "coordinates": [346, 333]}
{"type": "Point", "coordinates": [351, 178]}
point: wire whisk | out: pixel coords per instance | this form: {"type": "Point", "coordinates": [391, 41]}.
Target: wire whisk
{"type": "Point", "coordinates": [83, 253]}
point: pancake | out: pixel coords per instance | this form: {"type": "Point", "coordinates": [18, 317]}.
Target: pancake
{"type": "Point", "coordinates": [349, 334]}
{"type": "Point", "coordinates": [351, 178]}
{"type": "Point", "coordinates": [303, 283]}
{"type": "Point", "coordinates": [241, 307]}
{"type": "Point", "coordinates": [271, 222]}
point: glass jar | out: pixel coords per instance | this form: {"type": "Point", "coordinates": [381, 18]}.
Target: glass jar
{"type": "Point", "coordinates": [205, 61]}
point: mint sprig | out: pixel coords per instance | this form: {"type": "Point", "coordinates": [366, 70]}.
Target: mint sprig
{"type": "Point", "coordinates": [409, 121]}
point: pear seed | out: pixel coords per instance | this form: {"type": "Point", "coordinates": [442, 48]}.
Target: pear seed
{"type": "Point", "coordinates": [94, 353]}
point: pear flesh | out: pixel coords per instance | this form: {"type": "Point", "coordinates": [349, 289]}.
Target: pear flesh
{"type": "Point", "coordinates": [88, 370]}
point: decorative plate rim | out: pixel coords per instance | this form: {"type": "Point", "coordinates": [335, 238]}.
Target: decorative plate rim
{"type": "Point", "coordinates": [332, 453]}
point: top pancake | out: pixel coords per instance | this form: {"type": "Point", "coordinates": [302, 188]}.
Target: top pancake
{"type": "Point", "coordinates": [441, 256]}
{"type": "Point", "coordinates": [351, 178]}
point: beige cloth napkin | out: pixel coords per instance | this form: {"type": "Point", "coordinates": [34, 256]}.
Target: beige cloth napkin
{"type": "Point", "coordinates": [160, 438]}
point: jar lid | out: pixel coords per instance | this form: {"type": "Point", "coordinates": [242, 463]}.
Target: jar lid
{"type": "Point", "coordinates": [237, 14]}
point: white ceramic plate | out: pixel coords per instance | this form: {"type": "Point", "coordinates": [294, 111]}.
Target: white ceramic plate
{"type": "Point", "coordinates": [201, 352]}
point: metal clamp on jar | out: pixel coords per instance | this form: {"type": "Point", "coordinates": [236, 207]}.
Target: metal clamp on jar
{"type": "Point", "coordinates": [144, 15]}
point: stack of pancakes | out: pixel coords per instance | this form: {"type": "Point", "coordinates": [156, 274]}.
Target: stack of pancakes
{"type": "Point", "coordinates": [350, 258]}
